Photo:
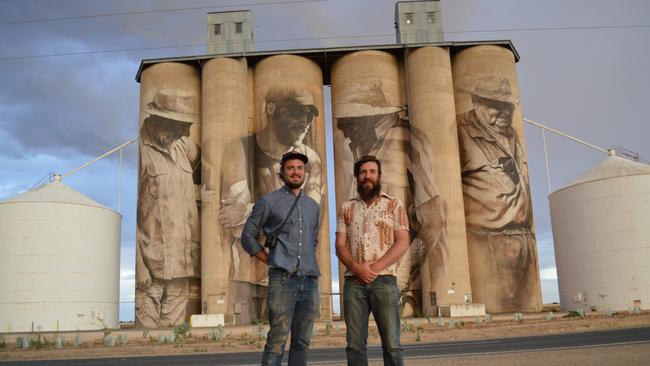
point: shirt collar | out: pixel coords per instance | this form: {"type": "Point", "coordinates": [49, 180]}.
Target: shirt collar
{"type": "Point", "coordinates": [286, 189]}
{"type": "Point", "coordinates": [476, 129]}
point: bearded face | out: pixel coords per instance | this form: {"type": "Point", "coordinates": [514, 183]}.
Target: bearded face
{"type": "Point", "coordinates": [166, 131]}
{"type": "Point", "coordinates": [293, 173]}
{"type": "Point", "coordinates": [496, 114]}
{"type": "Point", "coordinates": [361, 133]}
{"type": "Point", "coordinates": [291, 122]}
{"type": "Point", "coordinates": [368, 181]}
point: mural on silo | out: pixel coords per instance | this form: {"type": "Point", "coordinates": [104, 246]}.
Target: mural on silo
{"type": "Point", "coordinates": [167, 245]}
{"type": "Point", "coordinates": [496, 193]}
{"type": "Point", "coordinates": [253, 114]}
{"type": "Point", "coordinates": [250, 170]}
{"type": "Point", "coordinates": [373, 126]}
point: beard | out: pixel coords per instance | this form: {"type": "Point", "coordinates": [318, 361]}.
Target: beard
{"type": "Point", "coordinates": [292, 185]}
{"type": "Point", "coordinates": [368, 193]}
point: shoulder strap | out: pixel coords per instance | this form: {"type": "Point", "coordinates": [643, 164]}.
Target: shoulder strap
{"type": "Point", "coordinates": [295, 202]}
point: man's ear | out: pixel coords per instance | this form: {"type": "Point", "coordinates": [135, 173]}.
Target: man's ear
{"type": "Point", "coordinates": [270, 108]}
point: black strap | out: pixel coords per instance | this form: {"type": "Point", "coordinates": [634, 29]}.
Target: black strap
{"type": "Point", "coordinates": [295, 202]}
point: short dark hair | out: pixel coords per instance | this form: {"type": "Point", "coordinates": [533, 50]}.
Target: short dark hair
{"type": "Point", "coordinates": [291, 155]}
{"type": "Point", "coordinates": [366, 159]}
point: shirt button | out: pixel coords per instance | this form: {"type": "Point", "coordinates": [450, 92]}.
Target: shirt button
{"type": "Point", "coordinates": [298, 257]}
{"type": "Point", "coordinates": [299, 244]}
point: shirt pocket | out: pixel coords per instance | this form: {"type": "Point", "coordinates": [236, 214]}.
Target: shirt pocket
{"type": "Point", "coordinates": [156, 184]}
{"type": "Point", "coordinates": [289, 225]}
{"type": "Point", "coordinates": [503, 183]}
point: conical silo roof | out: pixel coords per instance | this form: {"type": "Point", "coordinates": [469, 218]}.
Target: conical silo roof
{"type": "Point", "coordinates": [613, 166]}
{"type": "Point", "coordinates": [55, 192]}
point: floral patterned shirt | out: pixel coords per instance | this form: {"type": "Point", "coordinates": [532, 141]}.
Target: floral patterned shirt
{"type": "Point", "coordinates": [370, 229]}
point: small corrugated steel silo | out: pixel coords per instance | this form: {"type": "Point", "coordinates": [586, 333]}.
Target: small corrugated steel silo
{"type": "Point", "coordinates": [59, 262]}
{"type": "Point", "coordinates": [601, 233]}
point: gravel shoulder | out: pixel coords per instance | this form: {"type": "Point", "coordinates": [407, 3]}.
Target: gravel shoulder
{"type": "Point", "coordinates": [332, 334]}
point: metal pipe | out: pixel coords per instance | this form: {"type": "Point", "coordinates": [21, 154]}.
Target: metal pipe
{"type": "Point", "coordinates": [567, 136]}
{"type": "Point", "coordinates": [98, 158]}
{"type": "Point", "coordinates": [548, 174]}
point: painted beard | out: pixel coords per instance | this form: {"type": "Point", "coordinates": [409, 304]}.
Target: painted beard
{"type": "Point", "coordinates": [367, 193]}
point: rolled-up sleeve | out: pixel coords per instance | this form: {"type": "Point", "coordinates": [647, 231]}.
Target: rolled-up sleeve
{"type": "Point", "coordinates": [341, 218]}
{"type": "Point", "coordinates": [400, 219]}
{"type": "Point", "coordinates": [251, 232]}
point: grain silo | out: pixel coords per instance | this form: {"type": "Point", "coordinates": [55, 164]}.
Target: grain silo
{"type": "Point", "coordinates": [601, 232]}
{"type": "Point", "coordinates": [59, 262]}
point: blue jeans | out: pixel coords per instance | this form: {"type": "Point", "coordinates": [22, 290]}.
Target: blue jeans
{"type": "Point", "coordinates": [382, 298]}
{"type": "Point", "coordinates": [293, 304]}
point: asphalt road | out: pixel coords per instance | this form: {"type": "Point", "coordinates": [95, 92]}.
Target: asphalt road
{"type": "Point", "coordinates": [429, 350]}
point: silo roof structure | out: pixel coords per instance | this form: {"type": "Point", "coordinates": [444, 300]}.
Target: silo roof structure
{"type": "Point", "coordinates": [55, 192]}
{"type": "Point", "coordinates": [59, 262]}
{"type": "Point", "coordinates": [601, 226]}
{"type": "Point", "coordinates": [612, 167]}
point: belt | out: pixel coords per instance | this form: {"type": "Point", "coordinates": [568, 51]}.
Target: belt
{"type": "Point", "coordinates": [504, 232]}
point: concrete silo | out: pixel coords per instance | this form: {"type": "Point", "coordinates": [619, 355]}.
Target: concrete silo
{"type": "Point", "coordinates": [601, 232]}
{"type": "Point", "coordinates": [59, 262]}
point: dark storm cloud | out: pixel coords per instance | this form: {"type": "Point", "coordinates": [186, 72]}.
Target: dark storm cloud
{"type": "Point", "coordinates": [78, 104]}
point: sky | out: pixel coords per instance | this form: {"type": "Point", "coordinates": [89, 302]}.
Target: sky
{"type": "Point", "coordinates": [68, 91]}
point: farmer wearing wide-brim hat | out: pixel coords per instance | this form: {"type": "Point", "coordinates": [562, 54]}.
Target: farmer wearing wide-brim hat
{"type": "Point", "coordinates": [496, 194]}
{"type": "Point", "coordinates": [167, 250]}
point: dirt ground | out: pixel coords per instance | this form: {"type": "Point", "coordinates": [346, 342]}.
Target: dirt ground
{"type": "Point", "coordinates": [332, 334]}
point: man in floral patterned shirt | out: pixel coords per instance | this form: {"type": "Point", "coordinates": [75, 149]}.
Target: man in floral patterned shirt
{"type": "Point", "coordinates": [371, 237]}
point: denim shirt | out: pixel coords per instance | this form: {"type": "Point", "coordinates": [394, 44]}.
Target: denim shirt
{"type": "Point", "coordinates": [296, 247]}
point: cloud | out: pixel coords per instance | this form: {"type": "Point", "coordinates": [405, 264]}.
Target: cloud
{"type": "Point", "coordinates": [550, 292]}
{"type": "Point", "coordinates": [548, 274]}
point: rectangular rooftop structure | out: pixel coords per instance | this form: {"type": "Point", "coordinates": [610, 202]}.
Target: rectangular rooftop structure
{"type": "Point", "coordinates": [231, 32]}
{"type": "Point", "coordinates": [418, 21]}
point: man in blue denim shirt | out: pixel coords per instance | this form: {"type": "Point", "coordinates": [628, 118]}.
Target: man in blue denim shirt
{"type": "Point", "coordinates": [293, 270]}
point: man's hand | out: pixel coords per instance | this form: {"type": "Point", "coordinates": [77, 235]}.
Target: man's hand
{"type": "Point", "coordinates": [232, 212]}
{"type": "Point", "coordinates": [143, 280]}
{"type": "Point", "coordinates": [364, 272]}
{"type": "Point", "coordinates": [432, 215]}
{"type": "Point", "coordinates": [262, 256]}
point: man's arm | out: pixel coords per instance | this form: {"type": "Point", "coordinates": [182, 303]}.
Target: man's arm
{"type": "Point", "coordinates": [142, 273]}
{"type": "Point", "coordinates": [251, 231]}
{"type": "Point", "coordinates": [395, 252]}
{"type": "Point", "coordinates": [362, 270]}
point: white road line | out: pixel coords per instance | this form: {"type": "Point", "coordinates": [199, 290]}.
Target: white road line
{"type": "Point", "coordinates": [526, 350]}
{"type": "Point", "coordinates": [485, 353]}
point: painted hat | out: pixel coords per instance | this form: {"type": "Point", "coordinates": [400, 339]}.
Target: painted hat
{"type": "Point", "coordinates": [364, 100]}
{"type": "Point", "coordinates": [292, 96]}
{"type": "Point", "coordinates": [494, 88]}
{"type": "Point", "coordinates": [175, 105]}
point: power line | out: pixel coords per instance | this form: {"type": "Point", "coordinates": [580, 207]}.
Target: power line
{"type": "Point", "coordinates": [157, 11]}
{"type": "Point", "coordinates": [181, 46]}
{"type": "Point", "coordinates": [555, 28]}
{"type": "Point", "coordinates": [315, 38]}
